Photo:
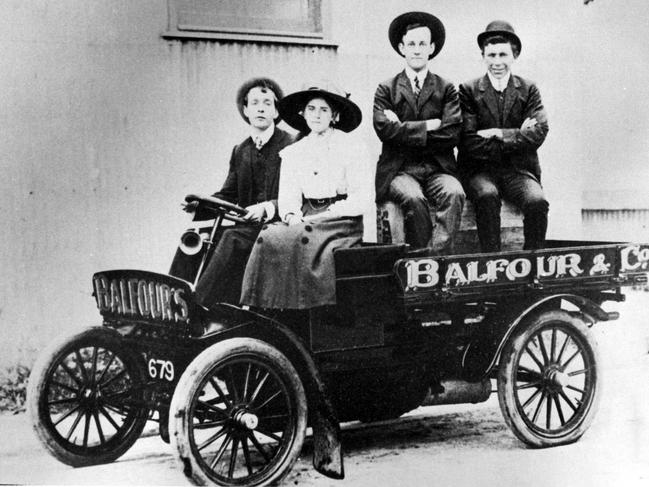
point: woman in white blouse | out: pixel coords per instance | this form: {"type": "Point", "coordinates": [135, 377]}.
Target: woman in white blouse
{"type": "Point", "coordinates": [324, 190]}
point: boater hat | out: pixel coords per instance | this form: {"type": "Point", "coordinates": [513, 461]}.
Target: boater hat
{"type": "Point", "coordinates": [398, 29]}
{"type": "Point", "coordinates": [500, 28]}
{"type": "Point", "coordinates": [257, 82]}
{"type": "Point", "coordinates": [350, 115]}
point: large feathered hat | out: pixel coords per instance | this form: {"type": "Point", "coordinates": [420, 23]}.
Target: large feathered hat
{"type": "Point", "coordinates": [350, 115]}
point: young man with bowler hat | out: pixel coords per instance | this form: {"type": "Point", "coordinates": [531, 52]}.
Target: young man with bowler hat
{"type": "Point", "coordinates": [504, 123]}
{"type": "Point", "coordinates": [417, 117]}
{"type": "Point", "coordinates": [252, 182]}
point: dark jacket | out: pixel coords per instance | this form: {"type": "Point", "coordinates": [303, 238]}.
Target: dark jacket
{"type": "Point", "coordinates": [238, 187]}
{"type": "Point", "coordinates": [408, 140]}
{"type": "Point", "coordinates": [480, 111]}
{"type": "Point", "coordinates": [221, 279]}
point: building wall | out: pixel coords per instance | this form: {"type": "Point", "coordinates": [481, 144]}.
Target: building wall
{"type": "Point", "coordinates": [620, 214]}
{"type": "Point", "coordinates": [106, 125]}
{"type": "Point", "coordinates": [616, 225]}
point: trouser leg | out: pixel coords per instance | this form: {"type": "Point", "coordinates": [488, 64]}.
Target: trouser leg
{"type": "Point", "coordinates": [448, 196]}
{"type": "Point", "coordinates": [406, 192]}
{"type": "Point", "coordinates": [526, 192]}
{"type": "Point", "coordinates": [485, 196]}
{"type": "Point", "coordinates": [222, 277]}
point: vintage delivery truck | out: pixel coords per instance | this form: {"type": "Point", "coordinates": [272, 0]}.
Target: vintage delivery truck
{"type": "Point", "coordinates": [235, 389]}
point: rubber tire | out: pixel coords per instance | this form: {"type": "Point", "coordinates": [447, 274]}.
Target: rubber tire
{"type": "Point", "coordinates": [36, 394]}
{"type": "Point", "coordinates": [188, 386]}
{"type": "Point", "coordinates": [509, 364]}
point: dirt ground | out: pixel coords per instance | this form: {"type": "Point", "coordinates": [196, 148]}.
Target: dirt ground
{"type": "Point", "coordinates": [464, 445]}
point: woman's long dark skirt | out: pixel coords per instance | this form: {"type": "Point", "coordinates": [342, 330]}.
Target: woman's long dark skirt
{"type": "Point", "coordinates": [292, 267]}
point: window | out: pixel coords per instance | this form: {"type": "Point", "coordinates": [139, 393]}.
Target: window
{"type": "Point", "coordinates": [289, 21]}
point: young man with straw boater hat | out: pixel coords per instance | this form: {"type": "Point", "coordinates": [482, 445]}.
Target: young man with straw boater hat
{"type": "Point", "coordinates": [504, 123]}
{"type": "Point", "coordinates": [252, 182]}
{"type": "Point", "coordinates": [417, 117]}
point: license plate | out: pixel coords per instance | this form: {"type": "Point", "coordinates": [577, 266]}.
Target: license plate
{"type": "Point", "coordinates": [161, 369]}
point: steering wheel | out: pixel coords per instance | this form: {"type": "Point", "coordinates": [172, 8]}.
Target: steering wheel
{"type": "Point", "coordinates": [230, 211]}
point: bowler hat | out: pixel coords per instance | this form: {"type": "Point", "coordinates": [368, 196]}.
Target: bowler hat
{"type": "Point", "coordinates": [349, 114]}
{"type": "Point", "coordinates": [398, 29]}
{"type": "Point", "coordinates": [501, 28]}
{"type": "Point", "coordinates": [253, 83]}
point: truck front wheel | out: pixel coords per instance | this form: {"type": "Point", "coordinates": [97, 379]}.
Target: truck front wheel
{"type": "Point", "coordinates": [84, 398]}
{"type": "Point", "coordinates": [238, 415]}
{"type": "Point", "coordinates": [548, 381]}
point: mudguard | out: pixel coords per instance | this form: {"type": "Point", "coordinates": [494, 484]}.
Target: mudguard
{"type": "Point", "coordinates": [482, 354]}
{"type": "Point", "coordinates": [226, 321]}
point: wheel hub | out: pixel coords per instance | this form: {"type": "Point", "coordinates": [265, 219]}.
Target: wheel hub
{"type": "Point", "coordinates": [90, 397]}
{"type": "Point", "coordinates": [555, 378]}
{"type": "Point", "coordinates": [558, 378]}
{"type": "Point", "coordinates": [245, 419]}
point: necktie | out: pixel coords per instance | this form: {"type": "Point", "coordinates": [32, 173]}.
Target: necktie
{"type": "Point", "coordinates": [258, 143]}
{"type": "Point", "coordinates": [417, 86]}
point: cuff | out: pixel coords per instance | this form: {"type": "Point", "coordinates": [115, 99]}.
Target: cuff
{"type": "Point", "coordinates": [269, 208]}
{"type": "Point", "coordinates": [418, 136]}
{"type": "Point", "coordinates": [509, 136]}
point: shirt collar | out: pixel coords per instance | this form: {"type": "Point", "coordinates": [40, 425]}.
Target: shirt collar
{"type": "Point", "coordinates": [321, 137]}
{"type": "Point", "coordinates": [499, 84]}
{"type": "Point", "coordinates": [264, 136]}
{"type": "Point", "coordinates": [411, 73]}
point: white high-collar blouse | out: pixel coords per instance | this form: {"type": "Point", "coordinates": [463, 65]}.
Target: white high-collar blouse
{"type": "Point", "coordinates": [323, 166]}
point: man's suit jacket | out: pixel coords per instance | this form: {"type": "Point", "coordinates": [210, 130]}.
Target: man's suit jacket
{"type": "Point", "coordinates": [233, 250]}
{"type": "Point", "coordinates": [480, 111]}
{"type": "Point", "coordinates": [408, 140]}
{"type": "Point", "coordinates": [238, 187]}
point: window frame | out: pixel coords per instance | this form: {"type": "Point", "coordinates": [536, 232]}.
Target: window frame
{"type": "Point", "coordinates": [243, 34]}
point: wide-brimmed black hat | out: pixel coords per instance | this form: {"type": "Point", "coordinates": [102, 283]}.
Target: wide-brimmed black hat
{"type": "Point", "coordinates": [257, 82]}
{"type": "Point", "coordinates": [349, 114]}
{"type": "Point", "coordinates": [501, 28]}
{"type": "Point", "coordinates": [398, 29]}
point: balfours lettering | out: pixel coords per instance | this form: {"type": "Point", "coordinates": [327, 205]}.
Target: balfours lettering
{"type": "Point", "coordinates": [140, 298]}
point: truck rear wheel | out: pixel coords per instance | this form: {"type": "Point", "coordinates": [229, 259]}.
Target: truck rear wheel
{"type": "Point", "coordinates": [238, 415]}
{"type": "Point", "coordinates": [548, 381]}
{"type": "Point", "coordinates": [82, 398]}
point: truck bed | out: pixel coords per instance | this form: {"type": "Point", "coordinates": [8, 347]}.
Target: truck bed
{"type": "Point", "coordinates": [418, 278]}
